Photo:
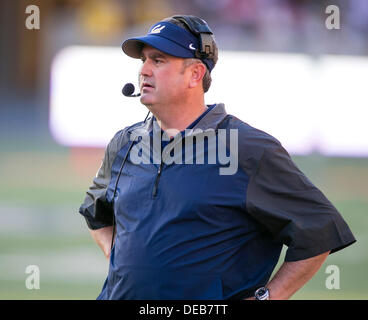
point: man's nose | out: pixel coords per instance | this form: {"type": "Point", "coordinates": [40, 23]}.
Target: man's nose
{"type": "Point", "coordinates": [146, 70]}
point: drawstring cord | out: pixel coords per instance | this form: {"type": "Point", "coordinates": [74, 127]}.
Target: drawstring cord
{"type": "Point", "coordinates": [116, 186]}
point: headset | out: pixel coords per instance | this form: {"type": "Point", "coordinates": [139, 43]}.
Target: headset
{"type": "Point", "coordinates": [202, 31]}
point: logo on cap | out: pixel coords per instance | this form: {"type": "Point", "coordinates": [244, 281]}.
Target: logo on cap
{"type": "Point", "coordinates": [157, 29]}
{"type": "Point", "coordinates": [191, 47]}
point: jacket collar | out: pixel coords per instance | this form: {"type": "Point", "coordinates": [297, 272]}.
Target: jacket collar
{"type": "Point", "coordinates": [212, 119]}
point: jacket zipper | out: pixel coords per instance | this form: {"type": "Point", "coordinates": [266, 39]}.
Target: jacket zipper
{"type": "Point", "coordinates": [155, 187]}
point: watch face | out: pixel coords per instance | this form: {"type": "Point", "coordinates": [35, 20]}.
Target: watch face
{"type": "Point", "coordinates": [261, 293]}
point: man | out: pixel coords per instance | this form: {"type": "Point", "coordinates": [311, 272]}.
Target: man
{"type": "Point", "coordinates": [190, 225]}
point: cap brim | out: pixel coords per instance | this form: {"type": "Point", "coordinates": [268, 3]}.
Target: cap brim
{"type": "Point", "coordinates": [133, 47]}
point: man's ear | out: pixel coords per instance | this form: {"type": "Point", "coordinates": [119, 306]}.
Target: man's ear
{"type": "Point", "coordinates": [198, 71]}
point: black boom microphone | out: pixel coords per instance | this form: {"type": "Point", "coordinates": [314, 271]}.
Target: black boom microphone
{"type": "Point", "coordinates": [129, 89]}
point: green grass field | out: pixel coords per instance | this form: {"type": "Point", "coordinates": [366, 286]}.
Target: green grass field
{"type": "Point", "coordinates": [40, 193]}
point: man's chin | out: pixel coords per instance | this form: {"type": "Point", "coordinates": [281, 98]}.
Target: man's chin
{"type": "Point", "coordinates": [146, 99]}
{"type": "Point", "coordinates": [146, 102]}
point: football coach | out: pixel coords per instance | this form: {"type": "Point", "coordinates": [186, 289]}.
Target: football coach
{"type": "Point", "coordinates": [175, 229]}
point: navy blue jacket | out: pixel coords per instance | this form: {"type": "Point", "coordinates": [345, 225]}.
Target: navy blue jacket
{"type": "Point", "coordinates": [185, 231]}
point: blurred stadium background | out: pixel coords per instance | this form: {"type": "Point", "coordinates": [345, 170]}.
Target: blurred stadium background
{"type": "Point", "coordinates": [43, 182]}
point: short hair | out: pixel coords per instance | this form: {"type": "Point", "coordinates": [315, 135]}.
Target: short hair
{"type": "Point", "coordinates": [207, 79]}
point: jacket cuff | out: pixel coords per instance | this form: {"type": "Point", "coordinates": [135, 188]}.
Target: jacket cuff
{"type": "Point", "coordinates": [91, 222]}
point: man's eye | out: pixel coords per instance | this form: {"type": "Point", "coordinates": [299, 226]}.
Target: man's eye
{"type": "Point", "coordinates": [158, 61]}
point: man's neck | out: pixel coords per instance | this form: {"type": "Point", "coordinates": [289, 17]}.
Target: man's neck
{"type": "Point", "coordinates": [179, 117]}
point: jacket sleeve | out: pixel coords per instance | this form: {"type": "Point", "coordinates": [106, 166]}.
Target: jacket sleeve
{"type": "Point", "coordinates": [283, 200]}
{"type": "Point", "coordinates": [97, 211]}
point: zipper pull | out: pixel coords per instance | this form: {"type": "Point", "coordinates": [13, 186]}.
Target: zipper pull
{"type": "Point", "coordinates": [155, 187]}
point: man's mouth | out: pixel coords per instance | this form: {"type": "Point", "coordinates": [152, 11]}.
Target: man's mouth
{"type": "Point", "coordinates": [146, 85]}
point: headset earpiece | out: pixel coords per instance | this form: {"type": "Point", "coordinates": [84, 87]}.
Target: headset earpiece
{"type": "Point", "coordinates": [200, 29]}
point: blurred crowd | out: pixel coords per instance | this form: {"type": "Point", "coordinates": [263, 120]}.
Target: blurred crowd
{"type": "Point", "coordinates": [266, 25]}
{"type": "Point", "coordinates": [257, 25]}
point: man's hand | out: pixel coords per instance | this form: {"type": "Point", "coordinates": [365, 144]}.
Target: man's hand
{"type": "Point", "coordinates": [103, 239]}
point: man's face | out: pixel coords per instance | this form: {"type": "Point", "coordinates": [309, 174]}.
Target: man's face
{"type": "Point", "coordinates": [162, 78]}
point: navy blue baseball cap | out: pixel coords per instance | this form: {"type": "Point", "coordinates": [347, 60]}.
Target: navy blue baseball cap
{"type": "Point", "coordinates": [168, 38]}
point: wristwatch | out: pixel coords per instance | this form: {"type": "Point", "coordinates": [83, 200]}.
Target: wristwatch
{"type": "Point", "coordinates": [262, 293]}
